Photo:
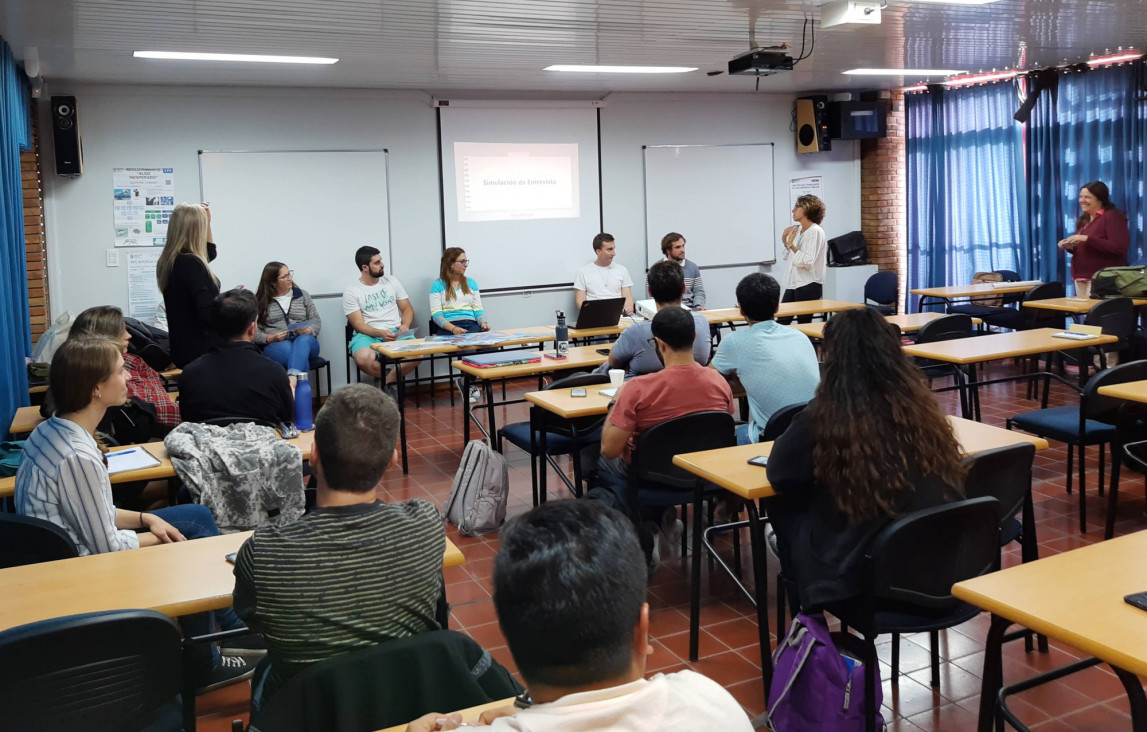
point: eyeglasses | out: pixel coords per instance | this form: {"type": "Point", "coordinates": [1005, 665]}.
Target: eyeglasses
{"type": "Point", "coordinates": [462, 262]}
{"type": "Point", "coordinates": [290, 275]}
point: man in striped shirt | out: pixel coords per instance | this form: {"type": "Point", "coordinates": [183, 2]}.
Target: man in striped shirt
{"type": "Point", "coordinates": [673, 248]}
{"type": "Point", "coordinates": [356, 571]}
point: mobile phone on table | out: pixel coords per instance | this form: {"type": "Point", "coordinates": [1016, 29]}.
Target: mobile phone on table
{"type": "Point", "coordinates": [760, 461]}
{"type": "Point", "coordinates": [1139, 600]}
{"type": "Point", "coordinates": [577, 392]}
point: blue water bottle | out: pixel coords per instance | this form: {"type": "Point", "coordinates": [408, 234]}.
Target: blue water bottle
{"type": "Point", "coordinates": [562, 336]}
{"type": "Point", "coordinates": [304, 415]}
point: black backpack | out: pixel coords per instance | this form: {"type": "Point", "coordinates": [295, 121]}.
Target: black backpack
{"type": "Point", "coordinates": [150, 344]}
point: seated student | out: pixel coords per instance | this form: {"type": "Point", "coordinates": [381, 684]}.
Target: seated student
{"type": "Point", "coordinates": [871, 447]}
{"type": "Point", "coordinates": [376, 306]}
{"type": "Point", "coordinates": [126, 423]}
{"type": "Point", "coordinates": [601, 278]}
{"type": "Point", "coordinates": [63, 478]}
{"type": "Point", "coordinates": [578, 630]}
{"type": "Point", "coordinates": [682, 387]}
{"type": "Point", "coordinates": [455, 303]}
{"type": "Point", "coordinates": [633, 350]}
{"type": "Point", "coordinates": [281, 303]}
{"type": "Point", "coordinates": [234, 379]}
{"type": "Point", "coordinates": [354, 572]}
{"type": "Point", "coordinates": [775, 364]}
{"type": "Point", "coordinates": [673, 249]}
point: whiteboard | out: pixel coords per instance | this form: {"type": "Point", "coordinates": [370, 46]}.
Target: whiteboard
{"type": "Point", "coordinates": [719, 197]}
{"type": "Point", "coordinates": [310, 209]}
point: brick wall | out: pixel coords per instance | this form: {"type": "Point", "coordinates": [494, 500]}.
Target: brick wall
{"type": "Point", "coordinates": [882, 195]}
{"type": "Point", "coordinates": [31, 176]}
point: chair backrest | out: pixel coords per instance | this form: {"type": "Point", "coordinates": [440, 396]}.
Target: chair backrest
{"type": "Point", "coordinates": [947, 328]}
{"type": "Point", "coordinates": [653, 459]}
{"type": "Point", "coordinates": [578, 379]}
{"type": "Point", "coordinates": [96, 672]}
{"type": "Point", "coordinates": [1037, 318]}
{"type": "Point", "coordinates": [1093, 405]}
{"type": "Point", "coordinates": [386, 685]}
{"type": "Point", "coordinates": [227, 421]}
{"type": "Point", "coordinates": [349, 356]}
{"type": "Point", "coordinates": [917, 558]}
{"type": "Point", "coordinates": [1010, 276]}
{"type": "Point", "coordinates": [1005, 474]}
{"type": "Point", "coordinates": [1116, 316]}
{"type": "Point", "coordinates": [780, 421]}
{"type": "Point", "coordinates": [881, 288]}
{"type": "Point", "coordinates": [28, 540]}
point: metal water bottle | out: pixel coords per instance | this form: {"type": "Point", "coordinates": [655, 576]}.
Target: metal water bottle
{"type": "Point", "coordinates": [304, 416]}
{"type": "Point", "coordinates": [562, 335]}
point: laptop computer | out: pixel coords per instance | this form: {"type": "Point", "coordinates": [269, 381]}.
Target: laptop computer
{"type": "Point", "coordinates": [599, 313]}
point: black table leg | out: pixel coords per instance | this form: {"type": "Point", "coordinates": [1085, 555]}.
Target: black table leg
{"type": "Point", "coordinates": [400, 389]}
{"type": "Point", "coordinates": [993, 677]}
{"type": "Point", "coordinates": [1136, 697]}
{"type": "Point", "coordinates": [465, 400]}
{"type": "Point", "coordinates": [491, 428]}
{"type": "Point", "coordinates": [761, 584]}
{"type": "Point", "coordinates": [533, 454]}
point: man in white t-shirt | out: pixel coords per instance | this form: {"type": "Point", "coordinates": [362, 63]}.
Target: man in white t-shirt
{"type": "Point", "coordinates": [377, 307]}
{"type": "Point", "coordinates": [601, 278]}
{"type": "Point", "coordinates": [569, 588]}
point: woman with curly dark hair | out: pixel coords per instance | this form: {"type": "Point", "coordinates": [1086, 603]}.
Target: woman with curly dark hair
{"type": "Point", "coordinates": [873, 445]}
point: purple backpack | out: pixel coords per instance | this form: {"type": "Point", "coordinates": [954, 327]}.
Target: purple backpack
{"type": "Point", "coordinates": [817, 685]}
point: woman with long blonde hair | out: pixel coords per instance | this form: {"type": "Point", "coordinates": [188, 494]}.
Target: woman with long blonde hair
{"type": "Point", "coordinates": [187, 282]}
{"type": "Point", "coordinates": [455, 303]}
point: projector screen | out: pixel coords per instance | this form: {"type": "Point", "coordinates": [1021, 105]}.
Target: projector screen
{"type": "Point", "coordinates": [520, 189]}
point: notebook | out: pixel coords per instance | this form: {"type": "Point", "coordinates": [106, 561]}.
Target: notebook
{"type": "Point", "coordinates": [501, 358]}
{"type": "Point", "coordinates": [136, 458]}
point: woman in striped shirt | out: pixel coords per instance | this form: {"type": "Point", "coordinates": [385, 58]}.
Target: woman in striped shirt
{"type": "Point", "coordinates": [455, 304]}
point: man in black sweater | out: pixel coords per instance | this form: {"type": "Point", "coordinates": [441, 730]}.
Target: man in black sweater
{"type": "Point", "coordinates": [235, 379]}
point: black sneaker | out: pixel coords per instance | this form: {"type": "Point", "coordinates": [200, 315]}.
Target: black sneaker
{"type": "Point", "coordinates": [248, 645]}
{"type": "Point", "coordinates": [231, 670]}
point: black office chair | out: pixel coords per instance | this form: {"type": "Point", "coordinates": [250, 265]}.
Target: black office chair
{"type": "Point", "coordinates": [1092, 422]}
{"type": "Point", "coordinates": [1022, 318]}
{"type": "Point", "coordinates": [28, 540]}
{"type": "Point", "coordinates": [110, 671]}
{"type": "Point", "coordinates": [563, 436]}
{"type": "Point", "coordinates": [881, 289]}
{"type": "Point", "coordinates": [947, 328]}
{"type": "Point", "coordinates": [317, 365]}
{"type": "Point", "coordinates": [1116, 317]}
{"type": "Point", "coordinates": [909, 570]}
{"type": "Point", "coordinates": [386, 685]}
{"type": "Point", "coordinates": [656, 482]}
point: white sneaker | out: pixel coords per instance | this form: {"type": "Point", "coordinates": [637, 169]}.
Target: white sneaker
{"type": "Point", "coordinates": [671, 537]}
{"type": "Point", "coordinates": [475, 394]}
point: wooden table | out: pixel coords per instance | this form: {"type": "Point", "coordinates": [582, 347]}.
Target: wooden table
{"type": "Point", "coordinates": [27, 419]}
{"type": "Point", "coordinates": [1075, 597]}
{"type": "Point", "coordinates": [728, 316]}
{"type": "Point", "coordinates": [579, 357]}
{"type": "Point", "coordinates": [561, 403]}
{"type": "Point", "coordinates": [1134, 391]}
{"type": "Point", "coordinates": [469, 715]}
{"type": "Point", "coordinates": [984, 291]}
{"type": "Point", "coordinates": [1073, 305]}
{"type": "Point", "coordinates": [908, 323]}
{"type": "Point", "coordinates": [728, 468]}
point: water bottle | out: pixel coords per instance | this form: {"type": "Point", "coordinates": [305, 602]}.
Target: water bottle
{"type": "Point", "coordinates": [562, 335]}
{"type": "Point", "coordinates": [304, 416]}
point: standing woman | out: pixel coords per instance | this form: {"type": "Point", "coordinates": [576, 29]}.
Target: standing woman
{"type": "Point", "coordinates": [806, 251]}
{"type": "Point", "coordinates": [455, 304]}
{"type": "Point", "coordinates": [187, 282]}
{"type": "Point", "coordinates": [1101, 238]}
{"type": "Point", "coordinates": [280, 304]}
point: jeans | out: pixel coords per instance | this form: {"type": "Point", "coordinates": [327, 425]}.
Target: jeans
{"type": "Point", "coordinates": [294, 354]}
{"type": "Point", "coordinates": [470, 326]}
{"type": "Point", "coordinates": [811, 291]}
{"type": "Point", "coordinates": [743, 434]}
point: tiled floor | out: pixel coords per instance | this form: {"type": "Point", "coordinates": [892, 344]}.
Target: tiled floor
{"type": "Point", "coordinates": [1092, 700]}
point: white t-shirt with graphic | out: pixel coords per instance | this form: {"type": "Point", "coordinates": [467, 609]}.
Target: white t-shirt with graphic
{"type": "Point", "coordinates": [378, 302]}
{"type": "Point", "coordinates": [600, 283]}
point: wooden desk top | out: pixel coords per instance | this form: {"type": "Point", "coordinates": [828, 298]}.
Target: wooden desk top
{"type": "Point", "coordinates": [175, 579]}
{"type": "Point", "coordinates": [579, 357]}
{"type": "Point", "coordinates": [908, 323]}
{"type": "Point", "coordinates": [976, 349]}
{"type": "Point", "coordinates": [563, 405]}
{"type": "Point", "coordinates": [469, 715]}
{"type": "Point", "coordinates": [38, 389]}
{"type": "Point", "coordinates": [25, 420]}
{"type": "Point", "coordinates": [728, 467]}
{"type": "Point", "coordinates": [171, 373]}
{"type": "Point", "coordinates": [785, 310]}
{"type": "Point", "coordinates": [1072, 304]}
{"type": "Point", "coordinates": [1076, 597]}
{"type": "Point", "coordinates": [1134, 391]}
{"type": "Point", "coordinates": [986, 289]}
{"type": "Point", "coordinates": [395, 349]}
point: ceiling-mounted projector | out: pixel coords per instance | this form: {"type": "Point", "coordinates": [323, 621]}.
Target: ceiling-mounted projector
{"type": "Point", "coordinates": [761, 63]}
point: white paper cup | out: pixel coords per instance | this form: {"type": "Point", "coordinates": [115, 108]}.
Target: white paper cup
{"type": "Point", "coordinates": [616, 377]}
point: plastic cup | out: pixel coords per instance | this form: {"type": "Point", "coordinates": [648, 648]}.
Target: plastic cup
{"type": "Point", "coordinates": [616, 378]}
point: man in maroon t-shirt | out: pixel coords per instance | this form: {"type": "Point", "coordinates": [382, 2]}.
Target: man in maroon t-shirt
{"type": "Point", "coordinates": [682, 387]}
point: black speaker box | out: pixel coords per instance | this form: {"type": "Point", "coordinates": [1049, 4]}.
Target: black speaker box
{"type": "Point", "coordinates": [812, 124]}
{"type": "Point", "coordinates": [66, 133]}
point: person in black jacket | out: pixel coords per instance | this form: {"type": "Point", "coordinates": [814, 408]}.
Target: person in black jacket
{"type": "Point", "coordinates": [235, 379]}
{"type": "Point", "coordinates": [187, 282]}
{"type": "Point", "coordinates": [872, 446]}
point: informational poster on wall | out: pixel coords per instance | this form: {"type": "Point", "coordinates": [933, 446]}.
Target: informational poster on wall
{"type": "Point", "coordinates": [807, 186]}
{"type": "Point", "coordinates": [143, 295]}
{"type": "Point", "coordinates": [143, 199]}
{"type": "Point", "coordinates": [510, 181]}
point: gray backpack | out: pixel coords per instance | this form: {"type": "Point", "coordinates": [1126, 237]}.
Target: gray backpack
{"type": "Point", "coordinates": [477, 503]}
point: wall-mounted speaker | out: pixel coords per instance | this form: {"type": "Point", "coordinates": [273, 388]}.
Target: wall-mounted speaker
{"type": "Point", "coordinates": [66, 133]}
{"type": "Point", "coordinates": [812, 124]}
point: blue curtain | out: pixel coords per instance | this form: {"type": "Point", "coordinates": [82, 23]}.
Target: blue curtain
{"type": "Point", "coordinates": [1045, 189]}
{"type": "Point", "coordinates": [15, 331]}
{"type": "Point", "coordinates": [967, 203]}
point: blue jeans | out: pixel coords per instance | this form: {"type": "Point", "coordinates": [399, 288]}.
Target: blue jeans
{"type": "Point", "coordinates": [743, 437]}
{"type": "Point", "coordinates": [294, 354]}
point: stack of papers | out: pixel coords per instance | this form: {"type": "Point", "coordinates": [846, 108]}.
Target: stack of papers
{"type": "Point", "coordinates": [136, 458]}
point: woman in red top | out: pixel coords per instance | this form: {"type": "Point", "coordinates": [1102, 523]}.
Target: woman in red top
{"type": "Point", "coordinates": [1101, 238]}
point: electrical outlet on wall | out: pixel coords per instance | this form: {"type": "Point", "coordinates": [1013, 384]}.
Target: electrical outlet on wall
{"type": "Point", "coordinates": [112, 257]}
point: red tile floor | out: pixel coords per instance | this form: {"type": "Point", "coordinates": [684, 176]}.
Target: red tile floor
{"type": "Point", "coordinates": [1091, 700]}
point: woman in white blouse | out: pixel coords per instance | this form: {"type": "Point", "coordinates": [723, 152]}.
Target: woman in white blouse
{"type": "Point", "coordinates": [806, 251]}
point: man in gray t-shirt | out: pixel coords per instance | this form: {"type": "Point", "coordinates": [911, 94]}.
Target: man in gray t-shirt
{"type": "Point", "coordinates": [634, 350]}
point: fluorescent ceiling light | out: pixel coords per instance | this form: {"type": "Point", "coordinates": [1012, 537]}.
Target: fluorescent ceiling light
{"type": "Point", "coordinates": [901, 72]}
{"type": "Point", "coordinates": [242, 57]}
{"type": "Point", "coordinates": [589, 69]}
{"type": "Point", "coordinates": [954, 2]}
{"type": "Point", "coordinates": [1114, 58]}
